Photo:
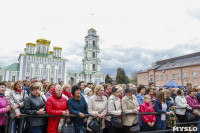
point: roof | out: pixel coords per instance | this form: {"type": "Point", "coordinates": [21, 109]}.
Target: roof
{"type": "Point", "coordinates": [45, 55]}
{"type": "Point", "coordinates": [161, 62]}
{"type": "Point", "coordinates": [76, 72]}
{"type": "Point", "coordinates": [150, 68]}
{"type": "Point", "coordinates": [12, 67]}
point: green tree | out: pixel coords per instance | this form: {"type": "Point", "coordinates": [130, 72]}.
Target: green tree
{"type": "Point", "coordinates": [108, 79]}
{"type": "Point", "coordinates": [121, 77]}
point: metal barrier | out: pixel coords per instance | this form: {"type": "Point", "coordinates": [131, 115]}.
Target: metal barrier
{"type": "Point", "coordinates": [87, 115]}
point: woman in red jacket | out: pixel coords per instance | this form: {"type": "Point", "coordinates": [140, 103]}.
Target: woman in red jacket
{"type": "Point", "coordinates": [148, 120]}
{"type": "Point", "coordinates": [56, 105]}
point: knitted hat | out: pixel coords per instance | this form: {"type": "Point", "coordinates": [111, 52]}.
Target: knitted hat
{"type": "Point", "coordinates": [87, 90]}
{"type": "Point", "coordinates": [128, 90]}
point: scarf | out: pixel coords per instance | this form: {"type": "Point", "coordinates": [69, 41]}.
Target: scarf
{"type": "Point", "coordinates": [20, 91]}
{"type": "Point", "coordinates": [2, 94]}
{"type": "Point", "coordinates": [69, 95]}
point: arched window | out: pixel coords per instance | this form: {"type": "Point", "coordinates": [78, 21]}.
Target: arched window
{"type": "Point", "coordinates": [94, 68]}
{"type": "Point", "coordinates": [93, 43]}
{"type": "Point", "coordinates": [93, 54]}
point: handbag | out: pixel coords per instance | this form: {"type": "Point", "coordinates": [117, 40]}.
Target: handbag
{"type": "Point", "coordinates": [189, 116]}
{"type": "Point", "coordinates": [116, 121]}
{"type": "Point", "coordinates": [67, 127]}
{"type": "Point", "coordinates": [94, 125]}
{"type": "Point", "coordinates": [134, 129]}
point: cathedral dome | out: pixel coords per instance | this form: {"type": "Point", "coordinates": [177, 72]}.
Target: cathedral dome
{"type": "Point", "coordinates": [43, 41]}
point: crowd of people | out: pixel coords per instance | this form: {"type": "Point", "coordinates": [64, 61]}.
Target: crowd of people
{"type": "Point", "coordinates": [104, 103]}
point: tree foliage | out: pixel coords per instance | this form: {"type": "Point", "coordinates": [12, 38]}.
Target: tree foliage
{"type": "Point", "coordinates": [121, 77]}
{"type": "Point", "coordinates": [108, 79]}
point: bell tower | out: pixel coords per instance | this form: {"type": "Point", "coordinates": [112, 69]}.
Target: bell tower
{"type": "Point", "coordinates": [91, 61]}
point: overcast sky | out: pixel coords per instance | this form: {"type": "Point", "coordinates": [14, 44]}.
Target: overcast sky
{"type": "Point", "coordinates": [133, 33]}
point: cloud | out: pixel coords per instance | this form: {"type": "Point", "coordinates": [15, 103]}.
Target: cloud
{"type": "Point", "coordinates": [195, 13]}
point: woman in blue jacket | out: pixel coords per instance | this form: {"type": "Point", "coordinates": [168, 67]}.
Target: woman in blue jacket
{"type": "Point", "coordinates": [78, 106]}
{"type": "Point", "coordinates": [161, 106]}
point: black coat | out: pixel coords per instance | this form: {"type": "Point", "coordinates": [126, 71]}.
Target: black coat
{"type": "Point", "coordinates": [31, 105]}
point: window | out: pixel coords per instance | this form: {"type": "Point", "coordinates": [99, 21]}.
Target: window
{"type": "Point", "coordinates": [13, 78]}
{"type": "Point", "coordinates": [185, 75]}
{"type": "Point", "coordinates": [157, 77]}
{"type": "Point", "coordinates": [44, 69]}
{"type": "Point", "coordinates": [145, 78]}
{"type": "Point", "coordinates": [93, 43]}
{"type": "Point", "coordinates": [52, 70]}
{"type": "Point", "coordinates": [93, 54]}
{"type": "Point", "coordinates": [179, 76]}
{"type": "Point", "coordinates": [151, 78]}
{"type": "Point", "coordinates": [166, 77]}
{"type": "Point", "coordinates": [28, 69]}
{"type": "Point", "coordinates": [0, 78]}
{"type": "Point", "coordinates": [141, 78]}
{"type": "Point", "coordinates": [51, 79]}
{"type": "Point", "coordinates": [173, 76]}
{"type": "Point", "coordinates": [36, 68]}
{"type": "Point", "coordinates": [60, 70]}
{"type": "Point", "coordinates": [94, 67]}
{"type": "Point", "coordinates": [58, 80]}
{"type": "Point", "coordinates": [161, 77]}
{"type": "Point", "coordinates": [194, 74]}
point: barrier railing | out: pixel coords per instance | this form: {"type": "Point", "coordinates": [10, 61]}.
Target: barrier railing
{"type": "Point", "coordinates": [87, 115]}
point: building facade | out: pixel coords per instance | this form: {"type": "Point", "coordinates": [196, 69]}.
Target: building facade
{"type": "Point", "coordinates": [91, 63]}
{"type": "Point", "coordinates": [37, 62]}
{"type": "Point", "coordinates": [184, 69]}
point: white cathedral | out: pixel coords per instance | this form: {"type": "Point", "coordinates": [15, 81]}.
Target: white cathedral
{"type": "Point", "coordinates": [38, 62]}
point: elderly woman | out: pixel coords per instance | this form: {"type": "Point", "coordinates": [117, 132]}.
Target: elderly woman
{"type": "Point", "coordinates": [194, 103]}
{"type": "Point", "coordinates": [88, 93]}
{"type": "Point", "coordinates": [78, 106]}
{"type": "Point", "coordinates": [129, 105]}
{"type": "Point", "coordinates": [4, 107]}
{"type": "Point", "coordinates": [17, 98]}
{"type": "Point", "coordinates": [97, 106]}
{"type": "Point", "coordinates": [67, 91]}
{"type": "Point", "coordinates": [181, 102]}
{"type": "Point", "coordinates": [35, 105]}
{"type": "Point", "coordinates": [114, 108]}
{"type": "Point", "coordinates": [56, 105]}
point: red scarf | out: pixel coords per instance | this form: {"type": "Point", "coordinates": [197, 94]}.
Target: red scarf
{"type": "Point", "coordinates": [20, 91]}
{"type": "Point", "coordinates": [69, 95]}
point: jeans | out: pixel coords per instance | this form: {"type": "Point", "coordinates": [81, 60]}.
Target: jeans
{"type": "Point", "coordinates": [35, 129]}
{"type": "Point", "coordinates": [160, 125]}
{"type": "Point", "coordinates": [17, 122]}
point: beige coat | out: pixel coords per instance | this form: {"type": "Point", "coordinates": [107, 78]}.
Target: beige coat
{"type": "Point", "coordinates": [128, 106]}
{"type": "Point", "coordinates": [111, 108]}
{"type": "Point", "coordinates": [96, 106]}
{"type": "Point", "coordinates": [17, 99]}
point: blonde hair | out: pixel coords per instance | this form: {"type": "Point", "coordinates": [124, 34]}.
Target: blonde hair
{"type": "Point", "coordinates": [97, 88]}
{"type": "Point", "coordinates": [173, 90]}
{"type": "Point", "coordinates": [146, 96]}
{"type": "Point", "coordinates": [35, 86]}
{"type": "Point", "coordinates": [40, 85]}
{"type": "Point", "coordinates": [57, 87]}
{"type": "Point", "coordinates": [66, 86]}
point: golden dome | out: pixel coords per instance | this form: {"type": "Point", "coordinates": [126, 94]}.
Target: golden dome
{"type": "Point", "coordinates": [57, 48]}
{"type": "Point", "coordinates": [51, 52]}
{"type": "Point", "coordinates": [31, 44]}
{"type": "Point", "coordinates": [43, 41]}
{"type": "Point", "coordinates": [25, 49]}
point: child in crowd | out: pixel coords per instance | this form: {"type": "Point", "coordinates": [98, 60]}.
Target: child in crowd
{"type": "Point", "coordinates": [171, 119]}
{"type": "Point", "coordinates": [148, 120]}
